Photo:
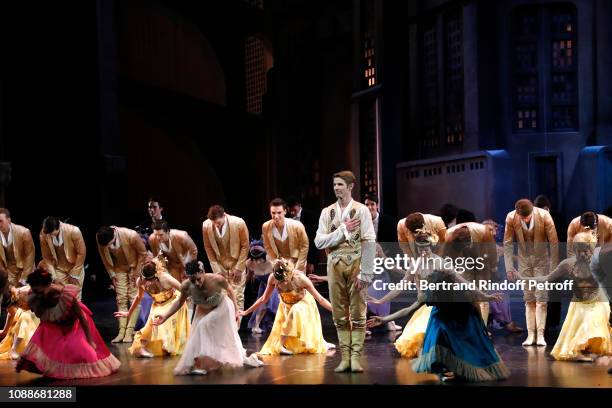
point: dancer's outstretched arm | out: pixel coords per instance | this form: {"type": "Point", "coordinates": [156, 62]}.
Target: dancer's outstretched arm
{"type": "Point", "coordinates": [135, 302]}
{"type": "Point", "coordinates": [160, 319]}
{"type": "Point", "coordinates": [477, 295]}
{"type": "Point", "coordinates": [315, 293]}
{"type": "Point", "coordinates": [230, 293]}
{"type": "Point", "coordinates": [378, 320]}
{"type": "Point", "coordinates": [562, 270]}
{"type": "Point", "coordinates": [263, 299]}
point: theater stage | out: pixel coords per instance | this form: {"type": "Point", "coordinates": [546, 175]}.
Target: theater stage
{"type": "Point", "coordinates": [530, 367]}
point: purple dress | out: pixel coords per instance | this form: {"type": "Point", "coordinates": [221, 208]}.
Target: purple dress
{"type": "Point", "coordinates": [385, 308]}
{"type": "Point", "coordinates": [271, 306]}
{"type": "Point", "coordinates": [499, 312]}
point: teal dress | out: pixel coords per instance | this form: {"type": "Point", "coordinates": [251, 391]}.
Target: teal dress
{"type": "Point", "coordinates": [456, 338]}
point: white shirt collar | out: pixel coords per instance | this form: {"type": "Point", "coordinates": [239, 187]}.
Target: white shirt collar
{"type": "Point", "coordinates": [281, 237]}
{"type": "Point", "coordinates": [531, 223]}
{"type": "Point", "coordinates": [375, 222]}
{"type": "Point", "coordinates": [7, 241]}
{"type": "Point", "coordinates": [223, 228]}
{"type": "Point", "coordinates": [59, 240]}
{"type": "Point", "coordinates": [344, 214]}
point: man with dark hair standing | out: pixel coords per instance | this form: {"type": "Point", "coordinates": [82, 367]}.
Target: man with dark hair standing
{"type": "Point", "coordinates": [63, 251]}
{"type": "Point", "coordinates": [310, 222]}
{"type": "Point", "coordinates": [284, 237]}
{"type": "Point", "coordinates": [17, 249]}
{"type": "Point", "coordinates": [347, 234]}
{"type": "Point", "coordinates": [384, 225]}
{"type": "Point", "coordinates": [533, 229]}
{"type": "Point", "coordinates": [123, 255]}
{"type": "Point", "coordinates": [155, 209]}
{"type": "Point", "coordinates": [226, 242]}
{"type": "Point", "coordinates": [176, 245]}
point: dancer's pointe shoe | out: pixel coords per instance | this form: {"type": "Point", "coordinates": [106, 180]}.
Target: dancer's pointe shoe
{"type": "Point", "coordinates": [585, 359]}
{"type": "Point", "coordinates": [541, 341]}
{"type": "Point", "coordinates": [14, 355]}
{"type": "Point", "coordinates": [119, 337]}
{"type": "Point", "coordinates": [256, 330]}
{"type": "Point", "coordinates": [530, 339]}
{"type": "Point", "coordinates": [144, 353]}
{"type": "Point", "coordinates": [285, 352]}
{"type": "Point", "coordinates": [391, 326]}
{"type": "Point", "coordinates": [198, 371]}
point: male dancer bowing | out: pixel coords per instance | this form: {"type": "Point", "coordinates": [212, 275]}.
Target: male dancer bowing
{"type": "Point", "coordinates": [284, 237]}
{"type": "Point", "coordinates": [63, 251]}
{"type": "Point", "coordinates": [408, 227]}
{"type": "Point", "coordinates": [176, 245]}
{"type": "Point", "coordinates": [472, 240]}
{"type": "Point", "coordinates": [226, 242]}
{"type": "Point", "coordinates": [17, 249]}
{"type": "Point", "coordinates": [597, 224]}
{"type": "Point", "coordinates": [347, 234]}
{"type": "Point", "coordinates": [534, 230]}
{"type": "Point", "coordinates": [123, 255]}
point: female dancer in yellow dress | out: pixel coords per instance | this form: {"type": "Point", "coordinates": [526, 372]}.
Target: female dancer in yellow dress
{"type": "Point", "coordinates": [21, 323]}
{"type": "Point", "coordinates": [170, 337]}
{"type": "Point", "coordinates": [297, 326]}
{"type": "Point", "coordinates": [585, 334]}
{"type": "Point", "coordinates": [410, 342]}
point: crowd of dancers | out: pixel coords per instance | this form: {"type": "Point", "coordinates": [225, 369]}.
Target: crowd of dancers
{"type": "Point", "coordinates": [187, 311]}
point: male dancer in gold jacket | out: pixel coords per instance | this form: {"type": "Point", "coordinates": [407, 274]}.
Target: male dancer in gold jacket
{"type": "Point", "coordinates": [123, 254]}
{"type": "Point", "coordinates": [226, 242]}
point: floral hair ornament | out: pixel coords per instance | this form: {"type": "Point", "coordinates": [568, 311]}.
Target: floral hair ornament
{"type": "Point", "coordinates": [281, 269]}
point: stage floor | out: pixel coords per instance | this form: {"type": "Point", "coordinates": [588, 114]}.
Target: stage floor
{"type": "Point", "coordinates": [530, 367]}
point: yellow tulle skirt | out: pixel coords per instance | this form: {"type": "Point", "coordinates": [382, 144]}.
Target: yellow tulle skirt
{"type": "Point", "coordinates": [23, 327]}
{"type": "Point", "coordinates": [166, 339]}
{"type": "Point", "coordinates": [410, 342]}
{"type": "Point", "coordinates": [300, 323]}
{"type": "Point", "coordinates": [586, 328]}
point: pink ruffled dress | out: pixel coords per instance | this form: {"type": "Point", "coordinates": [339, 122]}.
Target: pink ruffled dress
{"type": "Point", "coordinates": [59, 347]}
